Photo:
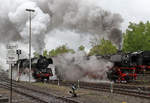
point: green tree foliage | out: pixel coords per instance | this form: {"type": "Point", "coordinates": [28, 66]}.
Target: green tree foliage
{"type": "Point", "coordinates": [105, 47]}
{"type": "Point", "coordinates": [36, 54]}
{"type": "Point", "coordinates": [81, 48]}
{"type": "Point", "coordinates": [45, 53]}
{"type": "Point", "coordinates": [137, 37]}
{"type": "Point", "coordinates": [60, 50]}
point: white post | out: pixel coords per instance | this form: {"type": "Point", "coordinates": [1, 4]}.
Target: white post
{"type": "Point", "coordinates": [111, 87]}
{"type": "Point", "coordinates": [10, 98]}
{"type": "Point", "coordinates": [30, 10]}
{"type": "Point", "coordinates": [30, 48]}
{"type": "Point", "coordinates": [58, 82]}
{"type": "Point", "coordinates": [78, 83]}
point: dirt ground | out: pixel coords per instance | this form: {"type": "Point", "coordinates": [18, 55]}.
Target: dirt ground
{"type": "Point", "coordinates": [90, 96]}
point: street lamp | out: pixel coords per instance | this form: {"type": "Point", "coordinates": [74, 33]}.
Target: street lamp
{"type": "Point", "coordinates": [30, 10]}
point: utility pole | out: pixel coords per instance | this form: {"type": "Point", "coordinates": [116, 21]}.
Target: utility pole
{"type": "Point", "coordinates": [30, 10]}
{"type": "Point", "coordinates": [11, 60]}
{"type": "Point", "coordinates": [10, 99]}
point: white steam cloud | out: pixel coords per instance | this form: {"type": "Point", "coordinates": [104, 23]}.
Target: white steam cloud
{"type": "Point", "coordinates": [81, 16]}
{"type": "Point", "coordinates": [24, 76]}
{"type": "Point", "coordinates": [40, 22]}
{"type": "Point", "coordinates": [78, 66]}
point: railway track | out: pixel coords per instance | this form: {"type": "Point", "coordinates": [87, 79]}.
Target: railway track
{"type": "Point", "coordinates": [45, 97]}
{"type": "Point", "coordinates": [137, 91]}
{"type": "Point", "coordinates": [34, 92]}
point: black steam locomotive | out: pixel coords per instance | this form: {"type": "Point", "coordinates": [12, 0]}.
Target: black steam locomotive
{"type": "Point", "coordinates": [39, 67]}
{"type": "Point", "coordinates": [127, 66]}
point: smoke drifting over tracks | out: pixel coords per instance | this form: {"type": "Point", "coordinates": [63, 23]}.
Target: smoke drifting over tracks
{"type": "Point", "coordinates": [84, 17]}
{"type": "Point", "coordinates": [78, 66]}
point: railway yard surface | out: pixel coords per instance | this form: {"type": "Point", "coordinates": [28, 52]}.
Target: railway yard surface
{"type": "Point", "coordinates": [92, 96]}
{"type": "Point", "coordinates": [38, 92]}
{"type": "Point", "coordinates": [84, 95]}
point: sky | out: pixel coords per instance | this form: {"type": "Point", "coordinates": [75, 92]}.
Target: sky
{"type": "Point", "coordinates": [13, 11]}
{"type": "Point", "coordinates": [14, 22]}
{"type": "Point", "coordinates": [130, 10]}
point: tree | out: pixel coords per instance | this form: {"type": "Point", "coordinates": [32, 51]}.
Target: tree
{"type": "Point", "coordinates": [60, 50]}
{"type": "Point", "coordinates": [36, 54]}
{"type": "Point", "coordinates": [45, 53]}
{"type": "Point", "coordinates": [105, 47]}
{"type": "Point", "coordinates": [137, 37]}
{"type": "Point", "coordinates": [81, 48]}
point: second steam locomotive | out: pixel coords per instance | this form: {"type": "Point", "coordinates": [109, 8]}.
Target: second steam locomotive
{"type": "Point", "coordinates": [127, 66]}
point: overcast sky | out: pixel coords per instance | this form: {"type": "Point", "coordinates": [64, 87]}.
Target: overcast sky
{"type": "Point", "coordinates": [130, 10]}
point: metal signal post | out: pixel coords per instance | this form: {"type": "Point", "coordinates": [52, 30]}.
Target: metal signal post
{"type": "Point", "coordinates": [10, 83]}
{"type": "Point", "coordinates": [18, 52]}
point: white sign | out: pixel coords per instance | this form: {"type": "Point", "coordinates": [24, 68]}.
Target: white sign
{"type": "Point", "coordinates": [11, 53]}
{"type": "Point", "coordinates": [12, 46]}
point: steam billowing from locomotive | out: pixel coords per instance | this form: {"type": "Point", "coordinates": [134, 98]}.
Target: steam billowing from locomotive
{"type": "Point", "coordinates": [80, 67]}
{"type": "Point", "coordinates": [83, 17]}
{"type": "Point", "coordinates": [70, 67]}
